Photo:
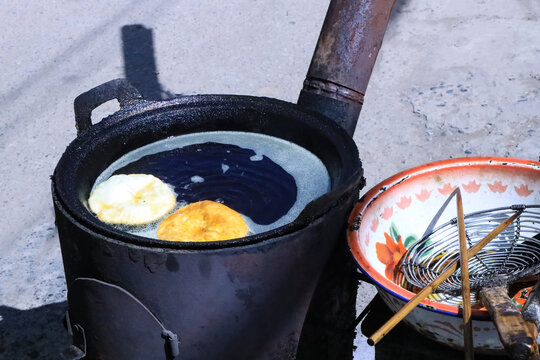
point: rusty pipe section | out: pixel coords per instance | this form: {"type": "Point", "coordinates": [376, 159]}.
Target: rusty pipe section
{"type": "Point", "coordinates": [346, 51]}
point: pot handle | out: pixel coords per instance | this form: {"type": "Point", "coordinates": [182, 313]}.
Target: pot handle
{"type": "Point", "coordinates": [84, 104]}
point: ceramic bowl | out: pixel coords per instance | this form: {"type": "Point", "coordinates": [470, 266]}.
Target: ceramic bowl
{"type": "Point", "coordinates": [396, 212]}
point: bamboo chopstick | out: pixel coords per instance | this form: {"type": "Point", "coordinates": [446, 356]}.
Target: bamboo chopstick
{"type": "Point", "coordinates": [465, 284]}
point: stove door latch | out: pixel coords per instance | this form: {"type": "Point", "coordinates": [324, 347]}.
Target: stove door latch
{"type": "Point", "coordinates": [78, 349]}
{"type": "Point", "coordinates": [171, 339]}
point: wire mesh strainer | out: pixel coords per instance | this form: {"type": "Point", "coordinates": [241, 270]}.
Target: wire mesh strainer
{"type": "Point", "coordinates": [514, 254]}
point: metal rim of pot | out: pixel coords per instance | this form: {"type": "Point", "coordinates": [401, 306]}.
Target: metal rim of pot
{"type": "Point", "coordinates": [156, 120]}
{"type": "Point", "coordinates": [332, 95]}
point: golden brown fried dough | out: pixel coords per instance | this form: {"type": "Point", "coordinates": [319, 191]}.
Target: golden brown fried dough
{"type": "Point", "coordinates": [202, 221]}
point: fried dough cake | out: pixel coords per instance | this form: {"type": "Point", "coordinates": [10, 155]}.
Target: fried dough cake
{"type": "Point", "coordinates": [202, 221]}
{"type": "Point", "coordinates": [134, 199]}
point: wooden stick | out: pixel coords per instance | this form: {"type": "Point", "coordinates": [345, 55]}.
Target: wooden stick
{"type": "Point", "coordinates": [465, 284]}
{"type": "Point", "coordinates": [531, 313]}
{"type": "Point", "coordinates": [405, 310]}
{"type": "Point", "coordinates": [517, 336]}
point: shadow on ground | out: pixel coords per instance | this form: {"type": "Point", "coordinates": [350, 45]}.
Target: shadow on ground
{"type": "Point", "coordinates": [140, 62]}
{"type": "Point", "coordinates": [403, 343]}
{"type": "Point", "coordinates": [33, 334]}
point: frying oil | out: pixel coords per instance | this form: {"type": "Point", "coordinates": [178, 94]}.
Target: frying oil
{"type": "Point", "coordinates": [266, 179]}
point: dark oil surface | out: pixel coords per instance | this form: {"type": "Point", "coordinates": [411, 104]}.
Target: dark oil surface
{"type": "Point", "coordinates": [250, 184]}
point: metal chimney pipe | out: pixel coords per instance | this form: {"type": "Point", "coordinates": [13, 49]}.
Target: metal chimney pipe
{"type": "Point", "coordinates": [335, 85]}
{"type": "Point", "coordinates": [346, 51]}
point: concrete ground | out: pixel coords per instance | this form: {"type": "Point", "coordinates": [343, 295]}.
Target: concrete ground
{"type": "Point", "coordinates": [454, 78]}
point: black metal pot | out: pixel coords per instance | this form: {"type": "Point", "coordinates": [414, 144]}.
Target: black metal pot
{"type": "Point", "coordinates": [136, 298]}
{"type": "Point", "coordinates": [238, 299]}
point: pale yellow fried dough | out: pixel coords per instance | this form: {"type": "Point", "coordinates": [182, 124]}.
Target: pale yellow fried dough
{"type": "Point", "coordinates": [134, 199]}
{"type": "Point", "coordinates": [202, 221]}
